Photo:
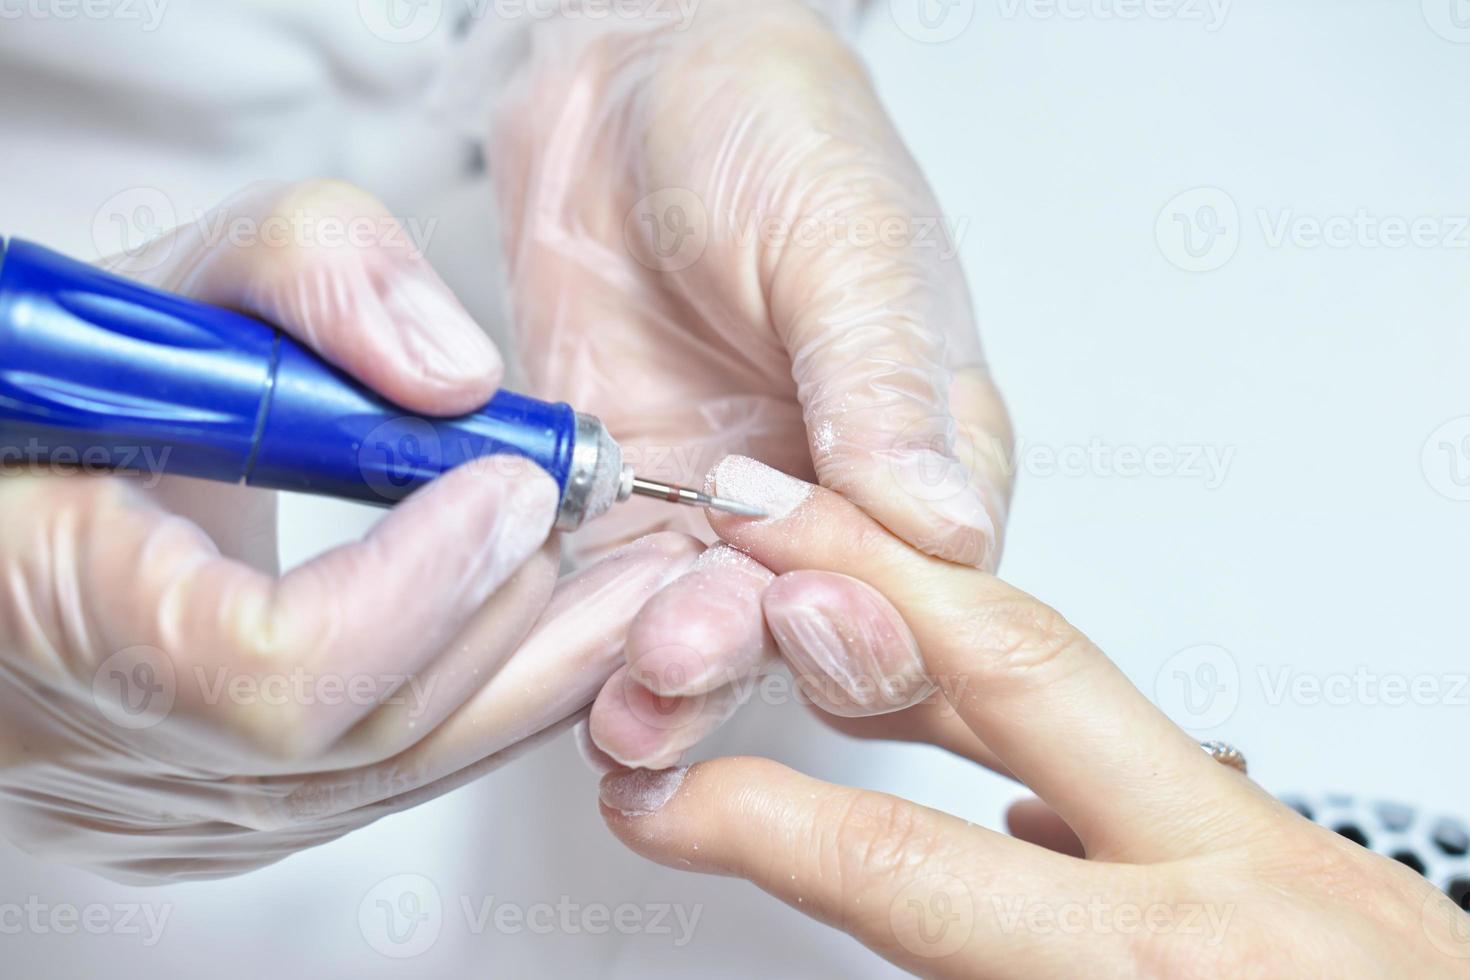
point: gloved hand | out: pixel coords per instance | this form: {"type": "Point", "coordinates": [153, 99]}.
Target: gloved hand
{"type": "Point", "coordinates": [718, 243]}
{"type": "Point", "coordinates": [170, 709]}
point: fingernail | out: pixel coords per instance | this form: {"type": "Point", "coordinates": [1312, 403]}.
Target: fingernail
{"type": "Point", "coordinates": [592, 756]}
{"type": "Point", "coordinates": [964, 530]}
{"type": "Point", "coordinates": [439, 333]}
{"type": "Point", "coordinates": [747, 481]}
{"type": "Point", "coordinates": [847, 641]}
{"type": "Point", "coordinates": [525, 501]}
{"type": "Point", "coordinates": [641, 792]}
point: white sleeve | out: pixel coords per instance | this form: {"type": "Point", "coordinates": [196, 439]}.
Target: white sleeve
{"type": "Point", "coordinates": [498, 44]}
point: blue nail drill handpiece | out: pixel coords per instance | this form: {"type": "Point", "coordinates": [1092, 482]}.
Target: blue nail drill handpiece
{"type": "Point", "coordinates": [100, 372]}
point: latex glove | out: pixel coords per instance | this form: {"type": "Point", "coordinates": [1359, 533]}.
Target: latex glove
{"type": "Point", "coordinates": [171, 709]}
{"type": "Point", "coordinates": [1193, 870]}
{"type": "Point", "coordinates": [718, 243]}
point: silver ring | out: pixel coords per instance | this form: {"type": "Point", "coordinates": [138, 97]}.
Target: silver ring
{"type": "Point", "coordinates": [1225, 754]}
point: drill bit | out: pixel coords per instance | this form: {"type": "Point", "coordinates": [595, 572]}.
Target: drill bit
{"type": "Point", "coordinates": [693, 498]}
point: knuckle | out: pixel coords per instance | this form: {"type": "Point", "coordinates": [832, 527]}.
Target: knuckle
{"type": "Point", "coordinates": [1018, 637]}
{"type": "Point", "coordinates": [326, 195]}
{"type": "Point", "coordinates": [869, 841]}
{"type": "Point", "coordinates": [277, 733]}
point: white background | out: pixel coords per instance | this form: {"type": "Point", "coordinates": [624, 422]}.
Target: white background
{"type": "Point", "coordinates": [1331, 546]}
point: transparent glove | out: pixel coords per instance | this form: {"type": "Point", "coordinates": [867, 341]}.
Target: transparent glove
{"type": "Point", "coordinates": [718, 243]}
{"type": "Point", "coordinates": [171, 709]}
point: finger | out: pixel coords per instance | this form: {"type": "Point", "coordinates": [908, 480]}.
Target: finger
{"type": "Point", "coordinates": [847, 643]}
{"type": "Point", "coordinates": [921, 888]}
{"type": "Point", "coordinates": [574, 647]}
{"type": "Point", "coordinates": [705, 630]}
{"type": "Point", "coordinates": [370, 613]}
{"type": "Point", "coordinates": [327, 263]}
{"type": "Point", "coordinates": [900, 410]}
{"type": "Point", "coordinates": [932, 721]}
{"type": "Point", "coordinates": [692, 653]}
{"type": "Point", "coordinates": [1033, 821]}
{"type": "Point", "coordinates": [641, 730]}
{"type": "Point", "coordinates": [1055, 710]}
{"type": "Point", "coordinates": [430, 695]}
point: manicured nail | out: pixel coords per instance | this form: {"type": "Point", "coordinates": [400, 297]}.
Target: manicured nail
{"type": "Point", "coordinates": [848, 643]}
{"type": "Point", "coordinates": [439, 332]}
{"type": "Point", "coordinates": [965, 531]}
{"type": "Point", "coordinates": [747, 481]}
{"type": "Point", "coordinates": [641, 792]}
{"type": "Point", "coordinates": [525, 499]}
{"type": "Point", "coordinates": [594, 758]}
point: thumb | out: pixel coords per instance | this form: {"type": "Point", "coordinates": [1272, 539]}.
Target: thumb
{"type": "Point", "coordinates": [327, 263]}
{"type": "Point", "coordinates": [901, 414]}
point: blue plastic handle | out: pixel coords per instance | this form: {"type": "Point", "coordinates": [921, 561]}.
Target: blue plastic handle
{"type": "Point", "coordinates": [100, 371]}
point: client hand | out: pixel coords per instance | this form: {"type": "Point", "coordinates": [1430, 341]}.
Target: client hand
{"type": "Point", "coordinates": [1190, 869]}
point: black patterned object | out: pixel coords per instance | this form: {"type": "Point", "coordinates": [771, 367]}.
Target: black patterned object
{"type": "Point", "coordinates": [1436, 846]}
